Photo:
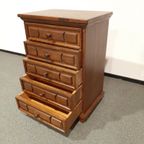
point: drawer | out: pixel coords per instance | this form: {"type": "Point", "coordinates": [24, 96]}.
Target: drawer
{"type": "Point", "coordinates": [55, 118]}
{"type": "Point", "coordinates": [54, 54]}
{"type": "Point", "coordinates": [51, 95]}
{"type": "Point", "coordinates": [57, 76]}
{"type": "Point", "coordinates": [57, 35]}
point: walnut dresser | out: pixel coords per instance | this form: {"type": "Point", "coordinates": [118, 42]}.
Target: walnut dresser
{"type": "Point", "coordinates": [64, 65]}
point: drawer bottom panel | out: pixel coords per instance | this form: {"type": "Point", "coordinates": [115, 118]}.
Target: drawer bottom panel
{"type": "Point", "coordinates": [55, 118]}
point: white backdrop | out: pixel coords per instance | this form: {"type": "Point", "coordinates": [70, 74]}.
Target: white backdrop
{"type": "Point", "coordinates": [125, 48]}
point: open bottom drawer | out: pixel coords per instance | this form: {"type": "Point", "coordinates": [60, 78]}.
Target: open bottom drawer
{"type": "Point", "coordinates": [55, 118]}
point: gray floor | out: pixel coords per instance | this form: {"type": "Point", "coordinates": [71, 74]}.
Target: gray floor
{"type": "Point", "coordinates": [119, 118]}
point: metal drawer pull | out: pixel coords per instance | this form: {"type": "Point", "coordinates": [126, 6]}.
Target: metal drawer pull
{"type": "Point", "coordinates": [49, 35]}
{"type": "Point", "coordinates": [47, 55]}
{"type": "Point", "coordinates": [45, 74]}
{"type": "Point", "coordinates": [41, 94]}
{"type": "Point", "coordinates": [36, 115]}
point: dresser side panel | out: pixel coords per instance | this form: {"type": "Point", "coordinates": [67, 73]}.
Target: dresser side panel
{"type": "Point", "coordinates": [94, 50]}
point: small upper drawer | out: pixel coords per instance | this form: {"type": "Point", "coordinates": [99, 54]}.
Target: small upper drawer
{"type": "Point", "coordinates": [57, 35]}
{"type": "Point", "coordinates": [53, 117]}
{"type": "Point", "coordinates": [54, 54]}
{"type": "Point", "coordinates": [51, 95]}
{"type": "Point", "coordinates": [58, 76]}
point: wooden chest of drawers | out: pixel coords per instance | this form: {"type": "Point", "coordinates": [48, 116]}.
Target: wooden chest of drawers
{"type": "Point", "coordinates": [64, 65]}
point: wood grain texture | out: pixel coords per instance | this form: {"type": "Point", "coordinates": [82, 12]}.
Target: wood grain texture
{"type": "Point", "coordinates": [94, 49]}
{"type": "Point", "coordinates": [66, 16]}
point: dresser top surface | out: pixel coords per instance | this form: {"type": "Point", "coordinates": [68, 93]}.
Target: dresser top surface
{"type": "Point", "coordinates": [69, 15]}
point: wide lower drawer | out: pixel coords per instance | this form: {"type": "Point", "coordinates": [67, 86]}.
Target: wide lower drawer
{"type": "Point", "coordinates": [59, 120]}
{"type": "Point", "coordinates": [59, 98]}
{"type": "Point", "coordinates": [57, 35]}
{"type": "Point", "coordinates": [54, 54]}
{"type": "Point", "coordinates": [57, 76]}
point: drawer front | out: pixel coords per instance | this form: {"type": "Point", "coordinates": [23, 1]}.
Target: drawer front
{"type": "Point", "coordinates": [57, 35]}
{"type": "Point", "coordinates": [54, 55]}
{"type": "Point", "coordinates": [51, 95]}
{"type": "Point", "coordinates": [57, 76]}
{"type": "Point", "coordinates": [59, 120]}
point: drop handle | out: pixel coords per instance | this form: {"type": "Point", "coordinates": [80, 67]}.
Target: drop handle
{"type": "Point", "coordinates": [36, 115]}
{"type": "Point", "coordinates": [47, 55]}
{"type": "Point", "coordinates": [49, 35]}
{"type": "Point", "coordinates": [41, 94]}
{"type": "Point", "coordinates": [45, 74]}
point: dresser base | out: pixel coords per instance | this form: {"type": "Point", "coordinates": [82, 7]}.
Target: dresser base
{"type": "Point", "coordinates": [84, 116]}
